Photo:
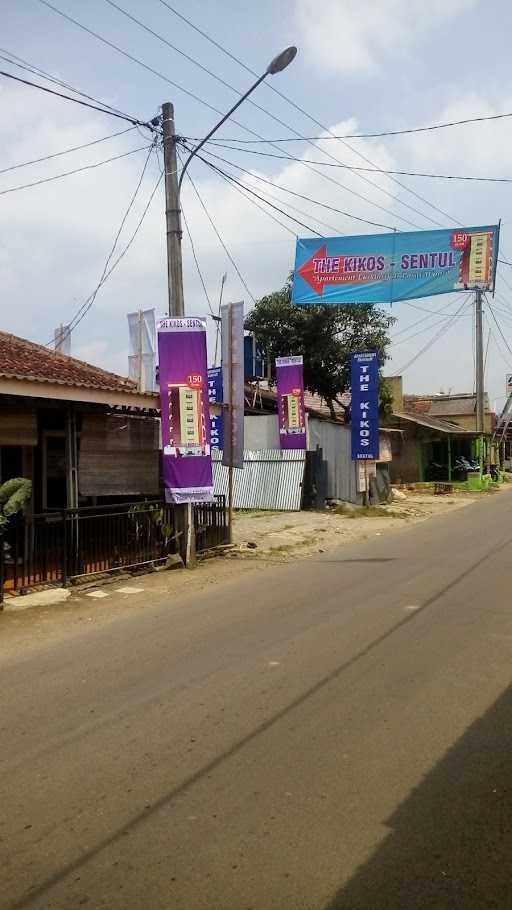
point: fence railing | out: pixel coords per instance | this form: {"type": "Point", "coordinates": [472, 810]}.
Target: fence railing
{"type": "Point", "coordinates": [57, 547]}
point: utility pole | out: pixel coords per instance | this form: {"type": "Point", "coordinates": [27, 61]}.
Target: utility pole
{"type": "Point", "coordinates": [184, 513]}
{"type": "Point", "coordinates": [480, 404]}
{"type": "Point", "coordinates": [479, 364]}
{"type": "Point", "coordinates": [172, 215]}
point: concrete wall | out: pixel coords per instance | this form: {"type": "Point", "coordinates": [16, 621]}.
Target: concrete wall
{"type": "Point", "coordinates": [261, 432]}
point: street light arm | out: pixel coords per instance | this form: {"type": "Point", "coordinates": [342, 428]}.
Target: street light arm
{"type": "Point", "coordinates": [217, 126]}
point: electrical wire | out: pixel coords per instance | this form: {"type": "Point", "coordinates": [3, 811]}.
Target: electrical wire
{"type": "Point", "coordinates": [252, 192]}
{"type": "Point", "coordinates": [238, 123]}
{"type": "Point", "coordinates": [498, 326]}
{"type": "Point", "coordinates": [236, 187]}
{"type": "Point", "coordinates": [293, 193]}
{"type": "Point", "coordinates": [430, 314]}
{"type": "Point", "coordinates": [259, 107]}
{"type": "Point", "coordinates": [21, 63]}
{"type": "Point", "coordinates": [433, 340]}
{"type": "Point", "coordinates": [313, 119]}
{"type": "Point", "coordinates": [194, 254]}
{"type": "Point", "coordinates": [503, 356]}
{"type": "Point", "coordinates": [219, 237]}
{"type": "Point", "coordinates": [76, 148]}
{"type": "Point", "coordinates": [78, 170]}
{"type": "Point", "coordinates": [51, 91]}
{"type": "Point", "coordinates": [383, 133]}
{"type": "Point", "coordinates": [106, 272]}
{"type": "Point", "coordinates": [353, 167]}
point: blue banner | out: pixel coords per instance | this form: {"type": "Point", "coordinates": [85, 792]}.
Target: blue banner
{"type": "Point", "coordinates": [215, 396]}
{"type": "Point", "coordinates": [382, 268]}
{"type": "Point", "coordinates": [365, 406]}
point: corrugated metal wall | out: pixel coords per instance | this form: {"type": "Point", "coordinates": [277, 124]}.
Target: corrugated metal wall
{"type": "Point", "coordinates": [335, 442]}
{"type": "Point", "coordinates": [270, 479]}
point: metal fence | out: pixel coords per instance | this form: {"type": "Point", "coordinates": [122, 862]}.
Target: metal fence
{"type": "Point", "coordinates": [56, 547]}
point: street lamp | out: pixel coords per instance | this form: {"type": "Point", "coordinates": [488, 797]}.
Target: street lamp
{"type": "Point", "coordinates": [277, 65]}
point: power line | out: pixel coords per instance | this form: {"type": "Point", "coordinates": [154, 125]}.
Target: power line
{"type": "Point", "coordinates": [498, 326]}
{"type": "Point", "coordinates": [78, 170]}
{"type": "Point", "coordinates": [433, 340]}
{"type": "Point", "coordinates": [354, 167]}
{"type": "Point", "coordinates": [241, 125]}
{"type": "Point", "coordinates": [430, 314]}
{"type": "Point", "coordinates": [76, 148]}
{"type": "Point", "coordinates": [310, 117]}
{"type": "Point", "coordinates": [298, 195]}
{"type": "Point", "coordinates": [51, 91]}
{"type": "Point", "coordinates": [106, 273]}
{"type": "Point", "coordinates": [199, 272]}
{"type": "Point", "coordinates": [403, 132]}
{"type": "Point", "coordinates": [257, 195]}
{"type": "Point", "coordinates": [23, 64]}
{"type": "Point", "coordinates": [259, 107]}
{"type": "Point", "coordinates": [221, 241]}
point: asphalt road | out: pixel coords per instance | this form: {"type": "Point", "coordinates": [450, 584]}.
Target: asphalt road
{"type": "Point", "coordinates": [331, 734]}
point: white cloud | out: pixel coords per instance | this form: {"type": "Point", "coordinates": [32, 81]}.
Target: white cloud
{"type": "Point", "coordinates": [344, 36]}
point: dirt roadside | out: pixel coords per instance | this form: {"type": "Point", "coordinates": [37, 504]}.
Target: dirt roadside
{"type": "Point", "coordinates": [275, 538]}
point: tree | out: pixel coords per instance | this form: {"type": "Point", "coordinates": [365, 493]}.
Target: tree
{"type": "Point", "coordinates": [325, 335]}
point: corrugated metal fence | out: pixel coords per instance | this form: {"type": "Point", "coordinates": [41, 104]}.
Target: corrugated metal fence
{"type": "Point", "coordinates": [270, 479]}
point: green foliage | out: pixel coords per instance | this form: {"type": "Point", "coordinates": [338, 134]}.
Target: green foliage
{"type": "Point", "coordinates": [325, 335]}
{"type": "Point", "coordinates": [14, 495]}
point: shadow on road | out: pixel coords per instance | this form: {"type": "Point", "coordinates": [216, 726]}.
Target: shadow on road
{"type": "Point", "coordinates": [450, 844]}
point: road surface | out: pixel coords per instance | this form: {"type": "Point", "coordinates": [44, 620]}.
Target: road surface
{"type": "Point", "coordinates": [332, 734]}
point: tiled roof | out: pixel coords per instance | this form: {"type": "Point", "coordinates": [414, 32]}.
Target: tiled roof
{"type": "Point", "coordinates": [461, 405]}
{"type": "Point", "coordinates": [21, 359]}
{"type": "Point", "coordinates": [314, 404]}
{"type": "Point", "coordinates": [443, 426]}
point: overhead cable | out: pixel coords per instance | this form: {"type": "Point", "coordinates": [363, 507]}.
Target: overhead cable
{"type": "Point", "coordinates": [404, 132]}
{"type": "Point", "coordinates": [78, 170]}
{"type": "Point", "coordinates": [433, 340]}
{"type": "Point", "coordinates": [51, 91]}
{"type": "Point", "coordinates": [75, 148]}
{"type": "Point", "coordinates": [283, 189]}
{"type": "Point", "coordinates": [219, 236]}
{"type": "Point", "coordinates": [313, 119]}
{"type": "Point", "coordinates": [21, 63]}
{"type": "Point", "coordinates": [107, 271]}
{"type": "Point", "coordinates": [238, 123]}
{"type": "Point", "coordinates": [377, 170]}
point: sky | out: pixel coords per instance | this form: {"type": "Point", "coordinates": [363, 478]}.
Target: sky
{"type": "Point", "coordinates": [361, 67]}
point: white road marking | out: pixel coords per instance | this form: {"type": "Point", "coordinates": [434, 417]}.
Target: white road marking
{"type": "Point", "coordinates": [97, 594]}
{"type": "Point", "coordinates": [129, 590]}
{"type": "Point", "coordinates": [274, 663]}
{"type": "Point", "coordinates": [412, 607]}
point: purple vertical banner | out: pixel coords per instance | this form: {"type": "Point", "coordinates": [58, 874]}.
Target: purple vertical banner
{"type": "Point", "coordinates": [290, 402]}
{"type": "Point", "coordinates": [183, 372]}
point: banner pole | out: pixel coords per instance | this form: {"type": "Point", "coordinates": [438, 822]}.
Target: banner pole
{"type": "Point", "coordinates": [231, 428]}
{"type": "Point", "coordinates": [366, 490]}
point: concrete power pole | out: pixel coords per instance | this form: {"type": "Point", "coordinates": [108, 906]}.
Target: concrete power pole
{"type": "Point", "coordinates": [479, 352]}
{"type": "Point", "coordinates": [184, 513]}
{"type": "Point", "coordinates": [172, 215]}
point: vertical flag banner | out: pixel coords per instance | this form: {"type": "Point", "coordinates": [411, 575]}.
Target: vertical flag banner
{"type": "Point", "coordinates": [365, 406]}
{"type": "Point", "coordinates": [215, 396]}
{"type": "Point", "coordinates": [186, 462]}
{"type": "Point", "coordinates": [290, 402]}
{"type": "Point", "coordinates": [382, 268]}
{"type": "Point", "coordinates": [232, 338]}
